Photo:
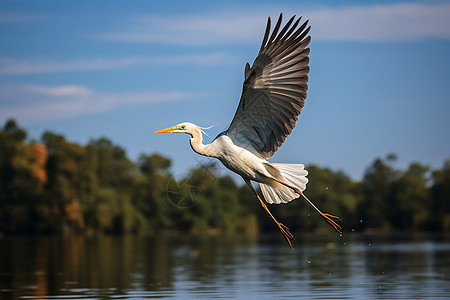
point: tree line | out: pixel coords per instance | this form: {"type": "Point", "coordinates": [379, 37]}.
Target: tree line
{"type": "Point", "coordinates": [56, 186]}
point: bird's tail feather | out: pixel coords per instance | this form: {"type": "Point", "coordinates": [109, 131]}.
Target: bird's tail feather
{"type": "Point", "coordinates": [292, 174]}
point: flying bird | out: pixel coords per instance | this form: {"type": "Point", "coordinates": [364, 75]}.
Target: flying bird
{"type": "Point", "coordinates": [273, 95]}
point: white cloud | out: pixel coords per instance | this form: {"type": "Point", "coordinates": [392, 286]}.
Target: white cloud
{"type": "Point", "coordinates": [197, 30]}
{"type": "Point", "coordinates": [59, 91]}
{"type": "Point", "coordinates": [34, 104]}
{"type": "Point", "coordinates": [194, 30]}
{"type": "Point", "coordinates": [19, 67]}
{"type": "Point", "coordinates": [389, 22]}
{"type": "Point", "coordinates": [12, 17]}
{"type": "Point", "coordinates": [14, 67]}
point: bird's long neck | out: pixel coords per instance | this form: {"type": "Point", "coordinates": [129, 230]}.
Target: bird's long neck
{"type": "Point", "coordinates": [197, 145]}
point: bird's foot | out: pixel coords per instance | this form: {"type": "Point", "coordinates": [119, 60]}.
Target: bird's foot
{"type": "Point", "coordinates": [286, 233]}
{"type": "Point", "coordinates": [330, 219]}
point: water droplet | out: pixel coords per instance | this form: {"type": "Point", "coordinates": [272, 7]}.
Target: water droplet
{"type": "Point", "coordinates": [326, 188]}
{"type": "Point", "coordinates": [353, 229]}
{"type": "Point", "coordinates": [360, 221]}
{"type": "Point", "coordinates": [309, 261]}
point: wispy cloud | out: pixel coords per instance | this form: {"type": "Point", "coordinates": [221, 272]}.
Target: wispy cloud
{"type": "Point", "coordinates": [389, 22]}
{"type": "Point", "coordinates": [195, 30]}
{"type": "Point", "coordinates": [9, 66]}
{"type": "Point", "coordinates": [14, 17]}
{"type": "Point", "coordinates": [58, 91]}
{"type": "Point", "coordinates": [34, 103]}
{"type": "Point", "coordinates": [14, 67]}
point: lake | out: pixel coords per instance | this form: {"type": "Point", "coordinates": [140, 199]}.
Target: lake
{"type": "Point", "coordinates": [352, 266]}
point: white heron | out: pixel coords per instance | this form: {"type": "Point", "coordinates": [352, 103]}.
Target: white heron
{"type": "Point", "coordinates": [273, 96]}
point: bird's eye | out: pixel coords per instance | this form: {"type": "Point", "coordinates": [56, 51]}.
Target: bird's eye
{"type": "Point", "coordinates": [183, 126]}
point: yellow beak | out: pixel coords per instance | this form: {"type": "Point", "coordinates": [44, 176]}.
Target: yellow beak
{"type": "Point", "coordinates": [166, 130]}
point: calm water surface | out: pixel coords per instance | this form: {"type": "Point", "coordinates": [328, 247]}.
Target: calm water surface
{"type": "Point", "coordinates": [321, 266]}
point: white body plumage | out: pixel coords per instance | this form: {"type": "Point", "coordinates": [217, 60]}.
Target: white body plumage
{"type": "Point", "coordinates": [273, 95]}
{"type": "Point", "coordinates": [246, 162]}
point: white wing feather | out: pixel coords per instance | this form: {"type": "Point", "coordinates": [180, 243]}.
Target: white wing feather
{"type": "Point", "coordinates": [292, 174]}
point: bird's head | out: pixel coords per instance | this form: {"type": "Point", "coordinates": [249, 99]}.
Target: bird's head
{"type": "Point", "coordinates": [184, 127]}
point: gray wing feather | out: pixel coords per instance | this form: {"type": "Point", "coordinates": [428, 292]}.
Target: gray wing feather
{"type": "Point", "coordinates": [274, 90]}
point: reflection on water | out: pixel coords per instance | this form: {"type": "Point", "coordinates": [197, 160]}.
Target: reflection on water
{"type": "Point", "coordinates": [352, 266]}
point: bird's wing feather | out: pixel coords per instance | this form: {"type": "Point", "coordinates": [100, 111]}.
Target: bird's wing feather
{"type": "Point", "coordinates": [274, 90]}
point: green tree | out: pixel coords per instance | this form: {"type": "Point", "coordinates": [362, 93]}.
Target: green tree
{"type": "Point", "coordinates": [111, 207]}
{"type": "Point", "coordinates": [18, 186]}
{"type": "Point", "coordinates": [150, 194]}
{"type": "Point", "coordinates": [377, 194]}
{"type": "Point", "coordinates": [110, 164]}
{"type": "Point", "coordinates": [68, 177]}
{"type": "Point", "coordinates": [410, 205]}
{"type": "Point", "coordinates": [440, 193]}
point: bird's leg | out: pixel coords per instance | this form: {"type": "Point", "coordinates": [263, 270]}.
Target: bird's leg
{"type": "Point", "coordinates": [330, 219]}
{"type": "Point", "coordinates": [283, 228]}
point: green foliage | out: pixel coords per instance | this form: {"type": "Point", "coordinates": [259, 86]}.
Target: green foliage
{"type": "Point", "coordinates": [18, 187]}
{"type": "Point", "coordinates": [440, 193]}
{"type": "Point", "coordinates": [58, 186]}
{"type": "Point", "coordinates": [377, 191]}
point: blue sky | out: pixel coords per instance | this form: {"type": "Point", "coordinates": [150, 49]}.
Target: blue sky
{"type": "Point", "coordinates": [379, 80]}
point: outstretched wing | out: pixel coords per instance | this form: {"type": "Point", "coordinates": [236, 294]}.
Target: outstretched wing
{"type": "Point", "coordinates": [274, 90]}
